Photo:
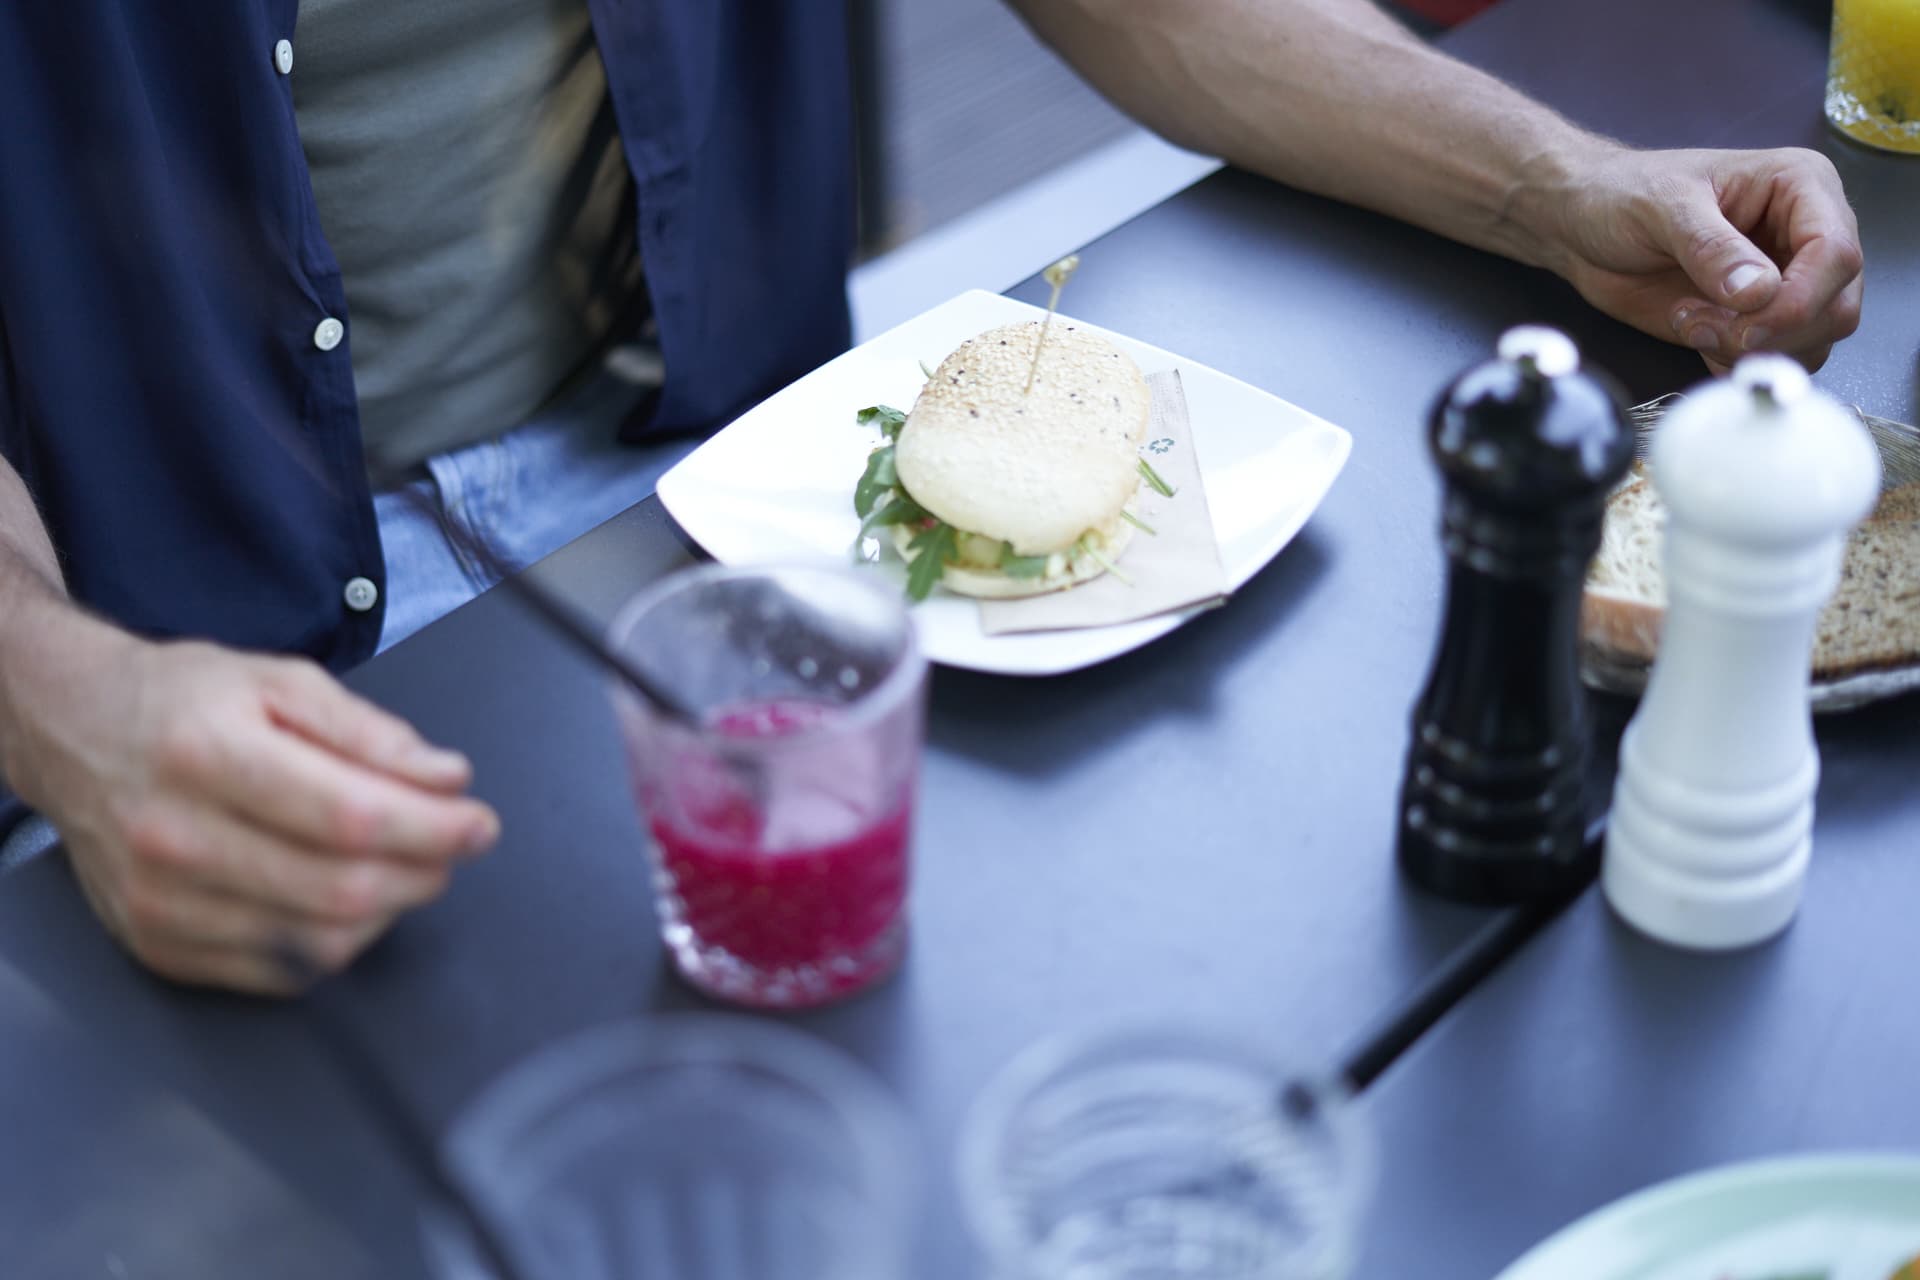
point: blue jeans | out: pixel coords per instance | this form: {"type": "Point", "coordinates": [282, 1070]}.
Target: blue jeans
{"type": "Point", "coordinates": [522, 496]}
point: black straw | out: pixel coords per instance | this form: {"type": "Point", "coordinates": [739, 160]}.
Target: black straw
{"type": "Point", "coordinates": [370, 1083]}
{"type": "Point", "coordinates": [562, 617]}
{"type": "Point", "coordinates": [1461, 972]}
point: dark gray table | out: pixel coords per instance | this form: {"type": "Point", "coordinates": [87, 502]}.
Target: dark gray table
{"type": "Point", "coordinates": [1599, 1062]}
{"type": "Point", "coordinates": [1200, 829]}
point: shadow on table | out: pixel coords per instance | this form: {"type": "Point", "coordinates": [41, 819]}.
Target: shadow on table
{"type": "Point", "coordinates": [147, 1130]}
{"type": "Point", "coordinates": [1066, 718]}
{"type": "Point", "coordinates": [108, 1172]}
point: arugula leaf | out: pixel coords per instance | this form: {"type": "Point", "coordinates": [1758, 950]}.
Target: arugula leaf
{"type": "Point", "coordinates": [932, 547]}
{"type": "Point", "coordinates": [1138, 523]}
{"type": "Point", "coordinates": [1160, 486]}
{"type": "Point", "coordinates": [889, 418]}
{"type": "Point", "coordinates": [901, 510]}
{"type": "Point", "coordinates": [876, 480]}
{"type": "Point", "coordinates": [1021, 566]}
{"type": "Point", "coordinates": [1086, 545]}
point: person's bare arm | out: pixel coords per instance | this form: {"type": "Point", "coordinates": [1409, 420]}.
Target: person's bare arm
{"type": "Point", "coordinates": [28, 567]}
{"type": "Point", "coordinates": [1722, 250]}
{"type": "Point", "coordinates": [218, 807]}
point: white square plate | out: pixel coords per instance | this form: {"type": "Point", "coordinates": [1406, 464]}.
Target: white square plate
{"type": "Point", "coordinates": [777, 484]}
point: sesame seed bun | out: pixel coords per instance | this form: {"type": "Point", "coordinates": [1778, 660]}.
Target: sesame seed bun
{"type": "Point", "coordinates": [1034, 469]}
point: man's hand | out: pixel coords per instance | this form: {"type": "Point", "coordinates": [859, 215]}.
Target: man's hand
{"type": "Point", "coordinates": [219, 808]}
{"type": "Point", "coordinates": [1724, 251]}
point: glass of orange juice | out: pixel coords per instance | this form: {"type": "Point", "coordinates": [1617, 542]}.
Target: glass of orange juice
{"type": "Point", "coordinates": [1873, 79]}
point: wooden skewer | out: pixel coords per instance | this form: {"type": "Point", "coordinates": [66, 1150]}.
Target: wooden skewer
{"type": "Point", "coordinates": [1056, 275]}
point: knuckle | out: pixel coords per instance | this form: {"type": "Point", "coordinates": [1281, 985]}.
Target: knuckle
{"type": "Point", "coordinates": [165, 962]}
{"type": "Point", "coordinates": [1846, 317]}
{"type": "Point", "coordinates": [374, 732]}
{"type": "Point", "coordinates": [1848, 257]}
{"type": "Point", "coordinates": [352, 825]}
{"type": "Point", "coordinates": [146, 911]}
{"type": "Point", "coordinates": [354, 895]}
{"type": "Point", "coordinates": [333, 949]}
{"type": "Point", "coordinates": [1790, 317]}
{"type": "Point", "coordinates": [1709, 242]}
{"type": "Point", "coordinates": [185, 749]}
{"type": "Point", "coordinates": [156, 841]}
{"type": "Point", "coordinates": [293, 673]}
{"type": "Point", "coordinates": [1814, 163]}
{"type": "Point", "coordinates": [285, 683]}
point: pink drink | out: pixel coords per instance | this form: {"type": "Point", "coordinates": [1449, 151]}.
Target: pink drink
{"type": "Point", "coordinates": [793, 898]}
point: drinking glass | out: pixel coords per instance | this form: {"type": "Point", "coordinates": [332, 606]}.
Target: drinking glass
{"type": "Point", "coordinates": [687, 1147]}
{"type": "Point", "coordinates": [1873, 73]}
{"type": "Point", "coordinates": [1159, 1154]}
{"type": "Point", "coordinates": [779, 823]}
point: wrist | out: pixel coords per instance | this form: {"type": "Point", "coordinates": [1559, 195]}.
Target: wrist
{"type": "Point", "coordinates": [1539, 215]}
{"type": "Point", "coordinates": [50, 651]}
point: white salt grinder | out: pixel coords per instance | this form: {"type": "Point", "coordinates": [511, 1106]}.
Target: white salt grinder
{"type": "Point", "coordinates": [1712, 825]}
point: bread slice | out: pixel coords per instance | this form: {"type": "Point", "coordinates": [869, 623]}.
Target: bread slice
{"type": "Point", "coordinates": [1873, 621]}
{"type": "Point", "coordinates": [1626, 597]}
{"type": "Point", "coordinates": [1034, 469]}
{"type": "Point", "coordinates": [1871, 624]}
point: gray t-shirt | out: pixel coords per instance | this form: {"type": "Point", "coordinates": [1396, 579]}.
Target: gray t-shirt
{"type": "Point", "coordinates": [470, 179]}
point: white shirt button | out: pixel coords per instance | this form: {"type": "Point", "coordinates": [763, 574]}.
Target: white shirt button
{"type": "Point", "coordinates": [361, 594]}
{"type": "Point", "coordinates": [327, 334]}
{"type": "Point", "coordinates": [283, 57]}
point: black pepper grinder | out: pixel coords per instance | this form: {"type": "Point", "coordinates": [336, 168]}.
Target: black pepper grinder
{"type": "Point", "coordinates": [1496, 805]}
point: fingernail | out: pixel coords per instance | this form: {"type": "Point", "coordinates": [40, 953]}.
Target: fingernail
{"type": "Point", "coordinates": [1755, 337]}
{"type": "Point", "coordinates": [1702, 338]}
{"type": "Point", "coordinates": [438, 759]}
{"type": "Point", "coordinates": [1680, 319]}
{"type": "Point", "coordinates": [480, 836]}
{"type": "Point", "coordinates": [1742, 276]}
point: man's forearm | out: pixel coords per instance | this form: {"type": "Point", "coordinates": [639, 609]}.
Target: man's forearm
{"type": "Point", "coordinates": [24, 545]}
{"type": "Point", "coordinates": [41, 631]}
{"type": "Point", "coordinates": [1335, 97]}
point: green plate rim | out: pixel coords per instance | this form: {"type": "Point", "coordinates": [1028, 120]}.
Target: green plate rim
{"type": "Point", "coordinates": [1552, 1256]}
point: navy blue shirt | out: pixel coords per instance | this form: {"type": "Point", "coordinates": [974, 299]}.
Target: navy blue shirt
{"type": "Point", "coordinates": [170, 388]}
